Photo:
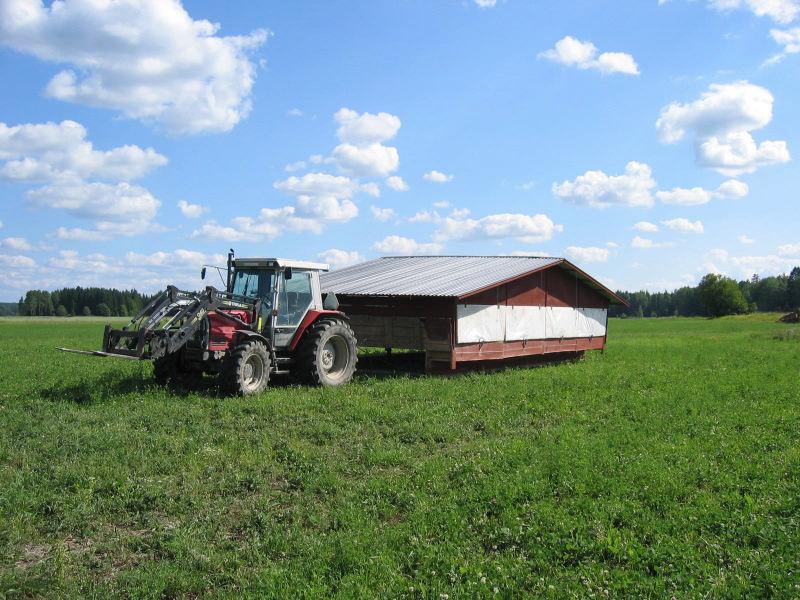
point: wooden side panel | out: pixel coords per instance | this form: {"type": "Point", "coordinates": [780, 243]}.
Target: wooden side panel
{"type": "Point", "coordinates": [396, 306]}
{"type": "Point", "coordinates": [561, 288]}
{"type": "Point", "coordinates": [491, 296]}
{"type": "Point", "coordinates": [437, 333]}
{"type": "Point", "coordinates": [388, 332]}
{"type": "Point", "coordinates": [550, 287]}
{"type": "Point", "coordinates": [501, 350]}
{"type": "Point", "coordinates": [438, 343]}
{"type": "Point", "coordinates": [590, 298]}
{"type": "Point", "coordinates": [529, 291]}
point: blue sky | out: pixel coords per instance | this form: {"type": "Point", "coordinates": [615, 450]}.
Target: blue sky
{"type": "Point", "coordinates": [650, 142]}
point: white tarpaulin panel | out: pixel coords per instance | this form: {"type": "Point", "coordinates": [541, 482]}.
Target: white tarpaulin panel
{"type": "Point", "coordinates": [567, 322]}
{"type": "Point", "coordinates": [560, 322]}
{"type": "Point", "coordinates": [524, 322]}
{"type": "Point", "coordinates": [480, 323]}
{"type": "Point", "coordinates": [593, 321]}
{"type": "Point", "coordinates": [491, 323]}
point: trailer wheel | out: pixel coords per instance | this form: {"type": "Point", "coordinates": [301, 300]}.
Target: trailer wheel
{"type": "Point", "coordinates": [245, 369]}
{"type": "Point", "coordinates": [327, 354]}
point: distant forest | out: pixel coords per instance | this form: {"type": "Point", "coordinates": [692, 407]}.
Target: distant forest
{"type": "Point", "coordinates": [8, 309]}
{"type": "Point", "coordinates": [78, 301]}
{"type": "Point", "coordinates": [715, 295]}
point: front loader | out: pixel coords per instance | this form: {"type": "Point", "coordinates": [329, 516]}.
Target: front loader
{"type": "Point", "coordinates": [271, 319]}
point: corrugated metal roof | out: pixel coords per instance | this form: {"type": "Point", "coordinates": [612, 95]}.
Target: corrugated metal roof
{"type": "Point", "coordinates": [429, 275]}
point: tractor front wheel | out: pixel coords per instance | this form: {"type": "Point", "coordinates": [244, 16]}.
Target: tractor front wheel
{"type": "Point", "coordinates": [245, 370]}
{"type": "Point", "coordinates": [169, 370]}
{"type": "Point", "coordinates": [327, 354]}
{"type": "Point", "coordinates": [164, 368]}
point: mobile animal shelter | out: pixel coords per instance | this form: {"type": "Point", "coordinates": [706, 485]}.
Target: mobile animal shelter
{"type": "Point", "coordinates": [468, 310]}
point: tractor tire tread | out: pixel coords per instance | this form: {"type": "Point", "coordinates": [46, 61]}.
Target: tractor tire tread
{"type": "Point", "coordinates": [164, 369]}
{"type": "Point", "coordinates": [232, 367]}
{"type": "Point", "coordinates": [307, 368]}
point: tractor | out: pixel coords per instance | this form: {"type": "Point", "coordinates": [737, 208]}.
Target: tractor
{"type": "Point", "coordinates": [272, 319]}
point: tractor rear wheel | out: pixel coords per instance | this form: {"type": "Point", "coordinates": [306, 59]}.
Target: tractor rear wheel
{"type": "Point", "coordinates": [327, 354]}
{"type": "Point", "coordinates": [245, 370]}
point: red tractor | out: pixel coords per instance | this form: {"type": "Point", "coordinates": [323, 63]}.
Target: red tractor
{"type": "Point", "coordinates": [271, 320]}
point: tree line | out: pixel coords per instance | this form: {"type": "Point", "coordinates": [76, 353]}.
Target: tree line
{"type": "Point", "coordinates": [78, 301]}
{"type": "Point", "coordinates": [715, 296]}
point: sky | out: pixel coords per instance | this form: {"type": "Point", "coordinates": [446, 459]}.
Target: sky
{"type": "Point", "coordinates": [648, 141]}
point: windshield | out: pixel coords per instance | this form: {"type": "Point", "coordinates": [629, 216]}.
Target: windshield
{"type": "Point", "coordinates": [254, 283]}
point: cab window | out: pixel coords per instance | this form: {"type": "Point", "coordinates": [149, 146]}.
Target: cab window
{"type": "Point", "coordinates": [254, 283]}
{"type": "Point", "coordinates": [294, 299]}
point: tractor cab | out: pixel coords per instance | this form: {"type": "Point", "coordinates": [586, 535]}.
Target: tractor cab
{"type": "Point", "coordinates": [287, 289]}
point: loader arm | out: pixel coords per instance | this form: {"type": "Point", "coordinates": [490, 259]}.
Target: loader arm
{"type": "Point", "coordinates": [170, 320]}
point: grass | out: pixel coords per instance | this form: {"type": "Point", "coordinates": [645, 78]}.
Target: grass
{"type": "Point", "coordinates": [667, 466]}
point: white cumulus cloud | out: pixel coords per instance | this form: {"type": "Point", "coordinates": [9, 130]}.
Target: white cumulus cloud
{"type": "Point", "coordinates": [599, 190]}
{"type": "Point", "coordinates": [325, 195]}
{"type": "Point", "coordinates": [641, 242]}
{"type": "Point", "coordinates": [780, 11]}
{"type": "Point", "coordinates": [789, 250]}
{"type": "Point", "coordinates": [17, 261]}
{"type": "Point", "coordinates": [36, 152]}
{"type": "Point", "coordinates": [365, 128]}
{"type": "Point", "coordinates": [683, 225]}
{"type": "Point", "coordinates": [192, 211]}
{"type": "Point", "coordinates": [685, 196]}
{"type": "Point", "coordinates": [372, 160]}
{"type": "Point", "coordinates": [646, 226]}
{"type": "Point", "coordinates": [121, 202]}
{"type": "Point", "coordinates": [526, 228]}
{"type": "Point", "coordinates": [397, 183]}
{"type": "Point", "coordinates": [426, 216]}
{"type": "Point", "coordinates": [382, 214]}
{"type": "Point", "coordinates": [437, 177]}
{"type": "Point", "coordinates": [789, 39]}
{"type": "Point", "coordinates": [722, 121]}
{"type": "Point", "coordinates": [319, 200]}
{"type": "Point", "coordinates": [730, 190]}
{"type": "Point", "coordinates": [337, 258]}
{"type": "Point", "coordinates": [79, 179]}
{"type": "Point", "coordinates": [361, 151]}
{"type": "Point", "coordinates": [584, 55]}
{"type": "Point", "coordinates": [722, 261]}
{"type": "Point", "coordinates": [588, 254]}
{"type": "Point", "coordinates": [398, 245]}
{"type": "Point", "coordinates": [148, 60]}
{"type": "Point", "coordinates": [17, 244]}
{"type": "Point", "coordinates": [733, 189]}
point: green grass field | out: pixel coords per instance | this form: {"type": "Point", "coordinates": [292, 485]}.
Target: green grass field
{"type": "Point", "coordinates": [667, 466]}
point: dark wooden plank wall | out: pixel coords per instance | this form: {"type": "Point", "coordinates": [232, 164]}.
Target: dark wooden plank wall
{"type": "Point", "coordinates": [550, 287]}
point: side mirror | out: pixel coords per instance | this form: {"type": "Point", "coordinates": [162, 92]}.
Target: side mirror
{"type": "Point", "coordinates": [287, 273]}
{"type": "Point", "coordinates": [330, 301]}
{"type": "Point", "coordinates": [203, 273]}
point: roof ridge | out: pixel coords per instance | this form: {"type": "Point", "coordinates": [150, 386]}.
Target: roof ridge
{"type": "Point", "coordinates": [469, 256]}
